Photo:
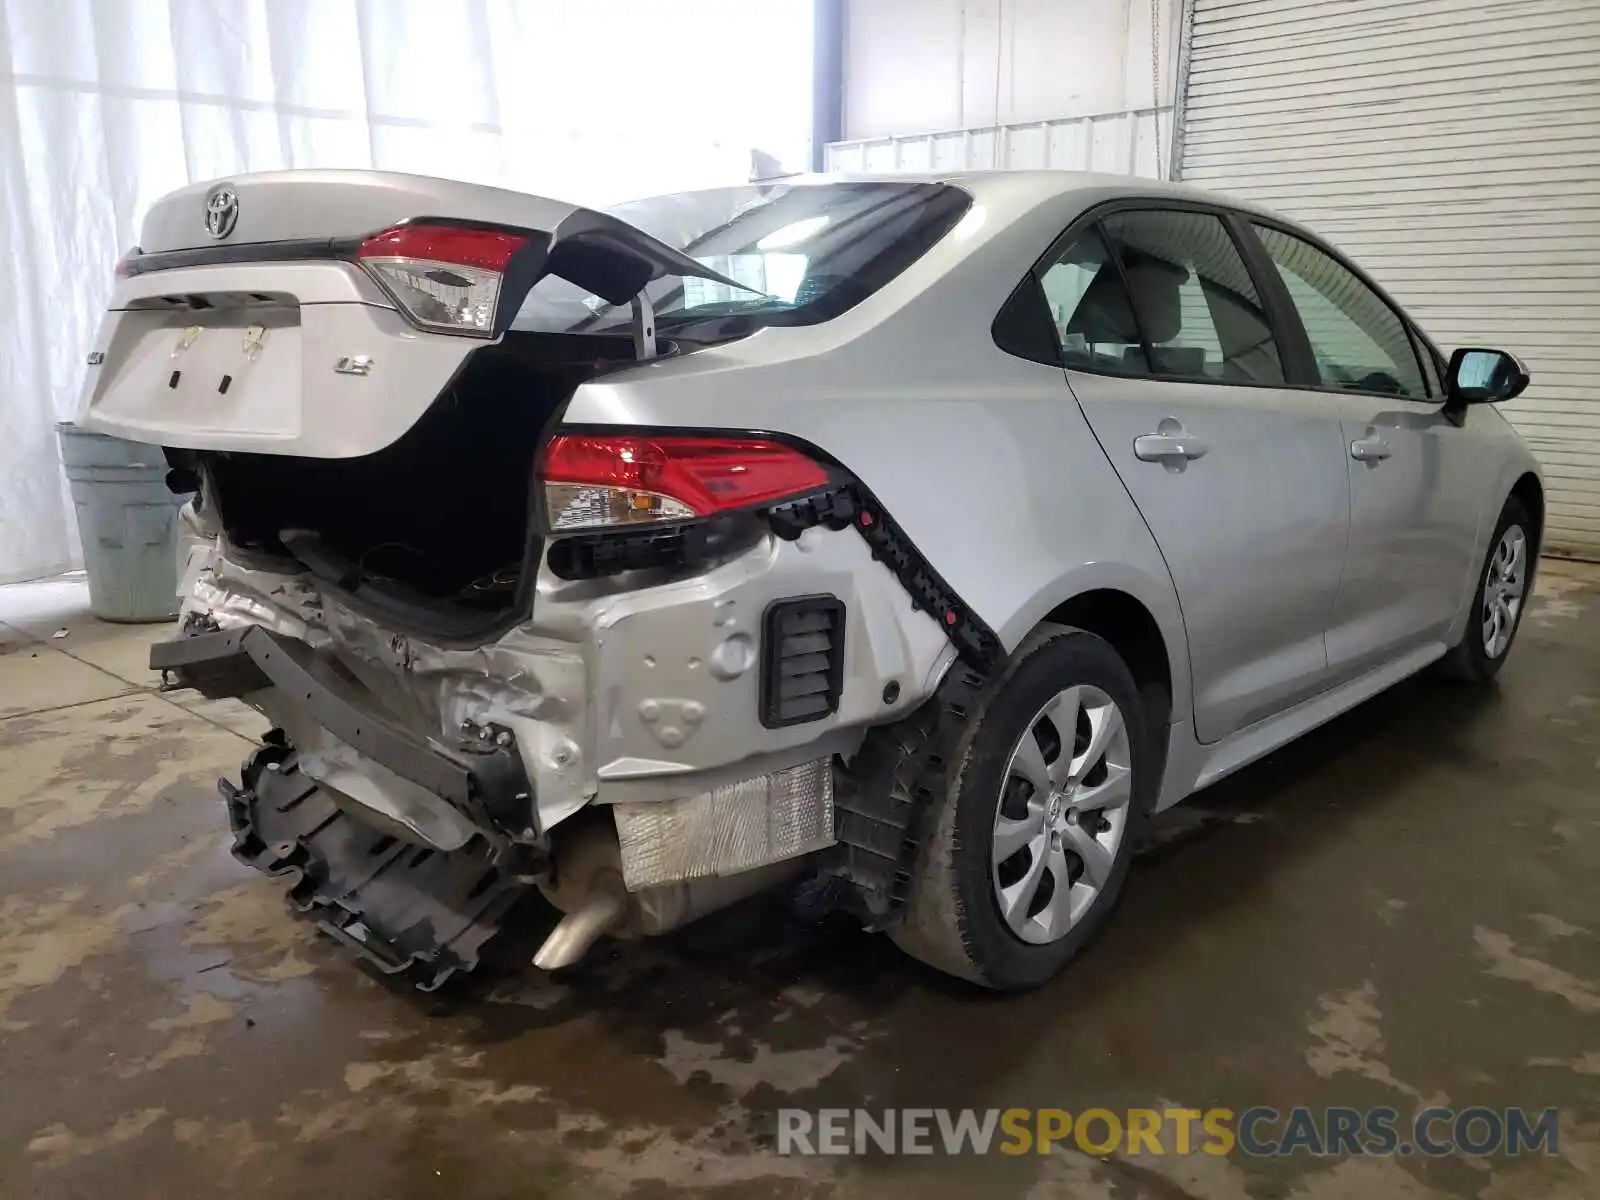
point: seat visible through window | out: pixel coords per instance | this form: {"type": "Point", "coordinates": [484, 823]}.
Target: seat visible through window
{"type": "Point", "coordinates": [1090, 312]}
{"type": "Point", "coordinates": [1194, 298]}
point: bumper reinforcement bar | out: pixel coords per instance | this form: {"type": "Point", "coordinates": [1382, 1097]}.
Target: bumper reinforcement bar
{"type": "Point", "coordinates": [486, 782]}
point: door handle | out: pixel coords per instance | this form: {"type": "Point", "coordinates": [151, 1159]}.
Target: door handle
{"type": "Point", "coordinates": [1370, 450]}
{"type": "Point", "coordinates": [1163, 447]}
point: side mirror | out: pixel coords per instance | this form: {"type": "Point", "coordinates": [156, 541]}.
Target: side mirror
{"type": "Point", "coordinates": [1484, 377]}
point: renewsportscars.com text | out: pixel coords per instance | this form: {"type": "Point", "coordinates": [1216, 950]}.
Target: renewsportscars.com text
{"type": "Point", "coordinates": [1256, 1132]}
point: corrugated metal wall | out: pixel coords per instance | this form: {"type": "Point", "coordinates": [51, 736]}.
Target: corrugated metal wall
{"type": "Point", "coordinates": [1121, 143]}
{"type": "Point", "coordinates": [1452, 147]}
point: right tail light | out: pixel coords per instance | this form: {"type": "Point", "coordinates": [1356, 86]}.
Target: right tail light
{"type": "Point", "coordinates": [616, 481]}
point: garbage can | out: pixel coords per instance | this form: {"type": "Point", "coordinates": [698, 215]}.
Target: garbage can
{"type": "Point", "coordinates": [128, 523]}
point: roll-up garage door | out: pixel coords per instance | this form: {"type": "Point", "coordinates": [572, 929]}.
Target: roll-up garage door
{"type": "Point", "coordinates": [1452, 147]}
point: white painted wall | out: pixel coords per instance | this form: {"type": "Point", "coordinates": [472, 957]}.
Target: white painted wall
{"type": "Point", "coordinates": [913, 66]}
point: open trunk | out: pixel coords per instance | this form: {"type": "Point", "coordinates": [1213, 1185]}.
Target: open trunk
{"type": "Point", "coordinates": [434, 532]}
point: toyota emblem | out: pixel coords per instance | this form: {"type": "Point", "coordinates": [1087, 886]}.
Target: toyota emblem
{"type": "Point", "coordinates": [222, 212]}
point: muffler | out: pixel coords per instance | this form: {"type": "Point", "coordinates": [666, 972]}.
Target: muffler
{"type": "Point", "coordinates": [586, 884]}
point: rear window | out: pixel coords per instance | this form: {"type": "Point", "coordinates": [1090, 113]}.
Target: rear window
{"type": "Point", "coordinates": [802, 253]}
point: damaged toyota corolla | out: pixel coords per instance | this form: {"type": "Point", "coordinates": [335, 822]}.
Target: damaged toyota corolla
{"type": "Point", "coordinates": [918, 537]}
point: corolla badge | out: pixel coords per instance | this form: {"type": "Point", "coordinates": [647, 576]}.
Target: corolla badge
{"type": "Point", "coordinates": [222, 212]}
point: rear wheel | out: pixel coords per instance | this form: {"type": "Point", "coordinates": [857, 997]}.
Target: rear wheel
{"type": "Point", "coordinates": [1029, 847]}
{"type": "Point", "coordinates": [1504, 584]}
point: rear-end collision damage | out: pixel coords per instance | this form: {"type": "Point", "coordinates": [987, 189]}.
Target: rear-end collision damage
{"type": "Point", "coordinates": [656, 739]}
{"type": "Point", "coordinates": [622, 664]}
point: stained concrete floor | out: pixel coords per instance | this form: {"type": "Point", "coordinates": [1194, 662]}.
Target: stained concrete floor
{"type": "Point", "coordinates": [1402, 909]}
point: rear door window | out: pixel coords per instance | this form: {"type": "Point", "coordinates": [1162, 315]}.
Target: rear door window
{"type": "Point", "coordinates": [1195, 301]}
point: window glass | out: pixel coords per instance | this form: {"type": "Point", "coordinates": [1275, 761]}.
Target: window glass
{"type": "Point", "coordinates": [1360, 343]}
{"type": "Point", "coordinates": [1090, 311]}
{"type": "Point", "coordinates": [1194, 298]}
{"type": "Point", "coordinates": [799, 255]}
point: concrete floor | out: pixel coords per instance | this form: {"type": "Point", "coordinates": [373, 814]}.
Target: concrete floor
{"type": "Point", "coordinates": [1403, 909]}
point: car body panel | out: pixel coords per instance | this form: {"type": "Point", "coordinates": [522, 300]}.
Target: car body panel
{"type": "Point", "coordinates": [301, 352]}
{"type": "Point", "coordinates": [291, 210]}
{"type": "Point", "coordinates": [1192, 765]}
{"type": "Point", "coordinates": [262, 374]}
{"type": "Point", "coordinates": [996, 467]}
{"type": "Point", "coordinates": [289, 206]}
{"type": "Point", "coordinates": [1253, 531]}
{"type": "Point", "coordinates": [1413, 529]}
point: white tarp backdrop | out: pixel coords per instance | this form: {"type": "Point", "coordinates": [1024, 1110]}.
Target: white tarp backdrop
{"type": "Point", "coordinates": [107, 104]}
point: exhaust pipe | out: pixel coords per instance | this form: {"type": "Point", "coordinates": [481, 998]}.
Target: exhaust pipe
{"type": "Point", "coordinates": [580, 929]}
{"type": "Point", "coordinates": [587, 886]}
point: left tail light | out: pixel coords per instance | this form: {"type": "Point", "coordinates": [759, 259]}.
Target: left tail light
{"type": "Point", "coordinates": [614, 482]}
{"type": "Point", "coordinates": [446, 278]}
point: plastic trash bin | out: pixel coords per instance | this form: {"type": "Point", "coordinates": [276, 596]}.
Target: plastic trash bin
{"type": "Point", "coordinates": [128, 523]}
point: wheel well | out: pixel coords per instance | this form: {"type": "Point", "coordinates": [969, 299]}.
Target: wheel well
{"type": "Point", "coordinates": [1528, 491]}
{"type": "Point", "coordinates": [1133, 633]}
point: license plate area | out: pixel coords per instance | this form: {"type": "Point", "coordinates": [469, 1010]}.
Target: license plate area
{"type": "Point", "coordinates": [222, 370]}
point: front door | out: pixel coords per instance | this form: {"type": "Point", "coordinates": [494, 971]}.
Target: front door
{"type": "Point", "coordinates": [1241, 479]}
{"type": "Point", "coordinates": [1414, 485]}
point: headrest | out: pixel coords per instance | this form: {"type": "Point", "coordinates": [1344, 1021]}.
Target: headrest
{"type": "Point", "coordinates": [1104, 317]}
{"type": "Point", "coordinates": [1155, 284]}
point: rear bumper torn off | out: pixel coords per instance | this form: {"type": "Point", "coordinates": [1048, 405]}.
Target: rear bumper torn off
{"type": "Point", "coordinates": [406, 909]}
{"type": "Point", "coordinates": [487, 787]}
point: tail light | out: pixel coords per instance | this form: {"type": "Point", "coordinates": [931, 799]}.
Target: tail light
{"type": "Point", "coordinates": [444, 277]}
{"type": "Point", "coordinates": [124, 267]}
{"type": "Point", "coordinates": [621, 481]}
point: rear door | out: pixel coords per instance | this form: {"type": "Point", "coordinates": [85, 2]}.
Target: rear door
{"type": "Point", "coordinates": [1416, 479]}
{"type": "Point", "coordinates": [1171, 352]}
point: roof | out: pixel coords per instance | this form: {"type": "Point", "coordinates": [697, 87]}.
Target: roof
{"type": "Point", "coordinates": [1039, 185]}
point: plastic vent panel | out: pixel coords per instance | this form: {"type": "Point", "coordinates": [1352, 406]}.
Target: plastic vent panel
{"type": "Point", "coordinates": [802, 660]}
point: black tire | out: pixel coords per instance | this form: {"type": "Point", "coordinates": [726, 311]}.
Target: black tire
{"type": "Point", "coordinates": [952, 920]}
{"type": "Point", "coordinates": [1469, 661]}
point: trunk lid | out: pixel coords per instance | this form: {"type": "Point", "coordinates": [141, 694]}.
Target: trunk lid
{"type": "Point", "coordinates": [246, 322]}
{"type": "Point", "coordinates": [290, 206]}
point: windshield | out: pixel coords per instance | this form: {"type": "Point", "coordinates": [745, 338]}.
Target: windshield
{"type": "Point", "coordinates": [802, 254]}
